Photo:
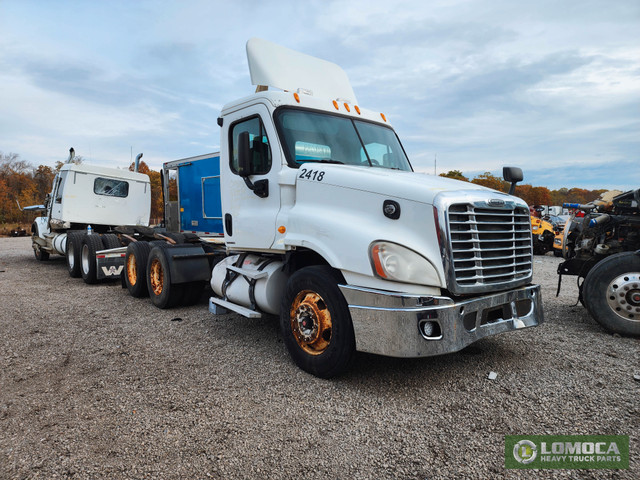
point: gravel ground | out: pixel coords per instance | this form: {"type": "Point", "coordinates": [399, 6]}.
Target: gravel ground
{"type": "Point", "coordinates": [97, 384]}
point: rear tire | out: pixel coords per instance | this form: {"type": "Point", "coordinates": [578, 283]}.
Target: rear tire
{"type": "Point", "coordinates": [135, 268]}
{"type": "Point", "coordinates": [175, 236]}
{"type": "Point", "coordinates": [162, 292]}
{"type": "Point", "coordinates": [90, 245]}
{"type": "Point", "coordinates": [315, 322]}
{"type": "Point", "coordinates": [110, 240]}
{"type": "Point", "coordinates": [611, 292]}
{"type": "Point", "coordinates": [73, 251]}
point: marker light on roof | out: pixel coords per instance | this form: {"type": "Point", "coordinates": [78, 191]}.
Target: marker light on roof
{"type": "Point", "coordinates": [346, 105]}
{"type": "Point", "coordinates": [335, 104]}
{"type": "Point", "coordinates": [357, 109]}
{"type": "Point", "coordinates": [297, 97]}
{"type": "Point", "coordinates": [383, 117]}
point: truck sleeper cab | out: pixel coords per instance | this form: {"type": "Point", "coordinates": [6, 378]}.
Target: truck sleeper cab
{"type": "Point", "coordinates": [89, 197]}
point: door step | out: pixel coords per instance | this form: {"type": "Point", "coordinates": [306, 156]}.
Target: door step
{"type": "Point", "coordinates": [218, 306]}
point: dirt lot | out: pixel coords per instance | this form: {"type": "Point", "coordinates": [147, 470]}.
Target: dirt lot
{"type": "Point", "coordinates": [97, 384]}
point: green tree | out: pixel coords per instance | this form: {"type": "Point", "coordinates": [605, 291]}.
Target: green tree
{"type": "Point", "coordinates": [43, 177]}
{"type": "Point", "coordinates": [157, 207]}
{"type": "Point", "coordinates": [17, 177]}
{"type": "Point", "coordinates": [486, 179]}
{"type": "Point", "coordinates": [455, 174]}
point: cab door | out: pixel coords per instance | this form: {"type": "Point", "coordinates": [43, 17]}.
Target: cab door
{"type": "Point", "coordinates": [249, 216]}
{"type": "Point", "coordinates": [56, 200]}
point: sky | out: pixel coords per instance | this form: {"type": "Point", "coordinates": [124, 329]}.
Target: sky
{"type": "Point", "coordinates": [552, 87]}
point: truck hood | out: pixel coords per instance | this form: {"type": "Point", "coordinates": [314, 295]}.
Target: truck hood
{"type": "Point", "coordinates": [394, 183]}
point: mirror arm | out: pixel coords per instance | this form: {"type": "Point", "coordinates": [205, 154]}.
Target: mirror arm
{"type": "Point", "coordinates": [260, 187]}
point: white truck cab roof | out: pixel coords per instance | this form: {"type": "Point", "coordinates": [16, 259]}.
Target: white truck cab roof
{"type": "Point", "coordinates": [105, 172]}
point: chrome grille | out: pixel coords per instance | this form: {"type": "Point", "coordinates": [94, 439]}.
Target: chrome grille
{"type": "Point", "coordinates": [489, 246]}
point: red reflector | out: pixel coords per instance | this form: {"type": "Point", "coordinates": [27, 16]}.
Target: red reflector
{"type": "Point", "coordinates": [100, 256]}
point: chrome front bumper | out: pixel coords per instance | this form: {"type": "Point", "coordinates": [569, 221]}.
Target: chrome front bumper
{"type": "Point", "coordinates": [388, 323]}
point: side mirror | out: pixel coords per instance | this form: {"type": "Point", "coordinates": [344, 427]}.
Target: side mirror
{"type": "Point", "coordinates": [244, 155]}
{"type": "Point", "coordinates": [245, 167]}
{"type": "Point", "coordinates": [512, 175]}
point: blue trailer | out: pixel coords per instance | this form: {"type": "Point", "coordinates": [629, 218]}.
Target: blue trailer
{"type": "Point", "coordinates": [191, 188]}
{"type": "Point", "coordinates": [172, 263]}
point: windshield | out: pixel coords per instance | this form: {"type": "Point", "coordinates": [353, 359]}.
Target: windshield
{"type": "Point", "coordinates": [324, 138]}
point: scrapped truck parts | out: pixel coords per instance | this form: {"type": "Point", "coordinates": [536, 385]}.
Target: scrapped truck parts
{"type": "Point", "coordinates": [601, 247]}
{"type": "Point", "coordinates": [310, 211]}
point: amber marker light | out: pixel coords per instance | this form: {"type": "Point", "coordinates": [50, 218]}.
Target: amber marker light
{"type": "Point", "coordinates": [296, 96]}
{"type": "Point", "coordinates": [347, 107]}
{"type": "Point", "coordinates": [335, 104]}
{"type": "Point", "coordinates": [357, 109]}
{"type": "Point", "coordinates": [383, 117]}
{"type": "Point", "coordinates": [282, 229]}
{"type": "Point", "coordinates": [375, 254]}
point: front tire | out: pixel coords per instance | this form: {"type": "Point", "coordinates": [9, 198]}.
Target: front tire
{"type": "Point", "coordinates": [40, 254]}
{"type": "Point", "coordinates": [315, 322]}
{"type": "Point", "coordinates": [611, 292]}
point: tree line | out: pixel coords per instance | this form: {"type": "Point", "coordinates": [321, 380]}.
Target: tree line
{"type": "Point", "coordinates": [21, 182]}
{"type": "Point", "coordinates": [530, 194]}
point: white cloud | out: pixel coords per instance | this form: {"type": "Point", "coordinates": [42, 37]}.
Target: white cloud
{"type": "Point", "coordinates": [544, 85]}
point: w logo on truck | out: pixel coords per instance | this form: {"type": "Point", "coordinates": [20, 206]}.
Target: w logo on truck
{"type": "Point", "coordinates": [112, 270]}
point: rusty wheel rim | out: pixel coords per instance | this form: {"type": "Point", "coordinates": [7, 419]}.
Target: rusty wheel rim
{"type": "Point", "coordinates": [132, 270]}
{"type": "Point", "coordinates": [156, 276]}
{"type": "Point", "coordinates": [311, 322]}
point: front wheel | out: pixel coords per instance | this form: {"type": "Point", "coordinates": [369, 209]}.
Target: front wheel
{"type": "Point", "coordinates": [40, 254]}
{"type": "Point", "coordinates": [315, 322]}
{"type": "Point", "coordinates": [611, 292]}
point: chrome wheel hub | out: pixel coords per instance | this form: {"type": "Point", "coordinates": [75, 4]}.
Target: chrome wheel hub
{"type": "Point", "coordinates": [623, 295]}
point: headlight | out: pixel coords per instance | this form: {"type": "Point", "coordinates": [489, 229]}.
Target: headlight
{"type": "Point", "coordinates": [395, 262]}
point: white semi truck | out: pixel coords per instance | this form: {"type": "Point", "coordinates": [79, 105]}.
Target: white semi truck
{"type": "Point", "coordinates": [312, 211]}
{"type": "Point", "coordinates": [85, 204]}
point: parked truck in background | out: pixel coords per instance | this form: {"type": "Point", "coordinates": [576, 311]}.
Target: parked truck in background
{"type": "Point", "coordinates": [86, 203]}
{"type": "Point", "coordinates": [312, 211]}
